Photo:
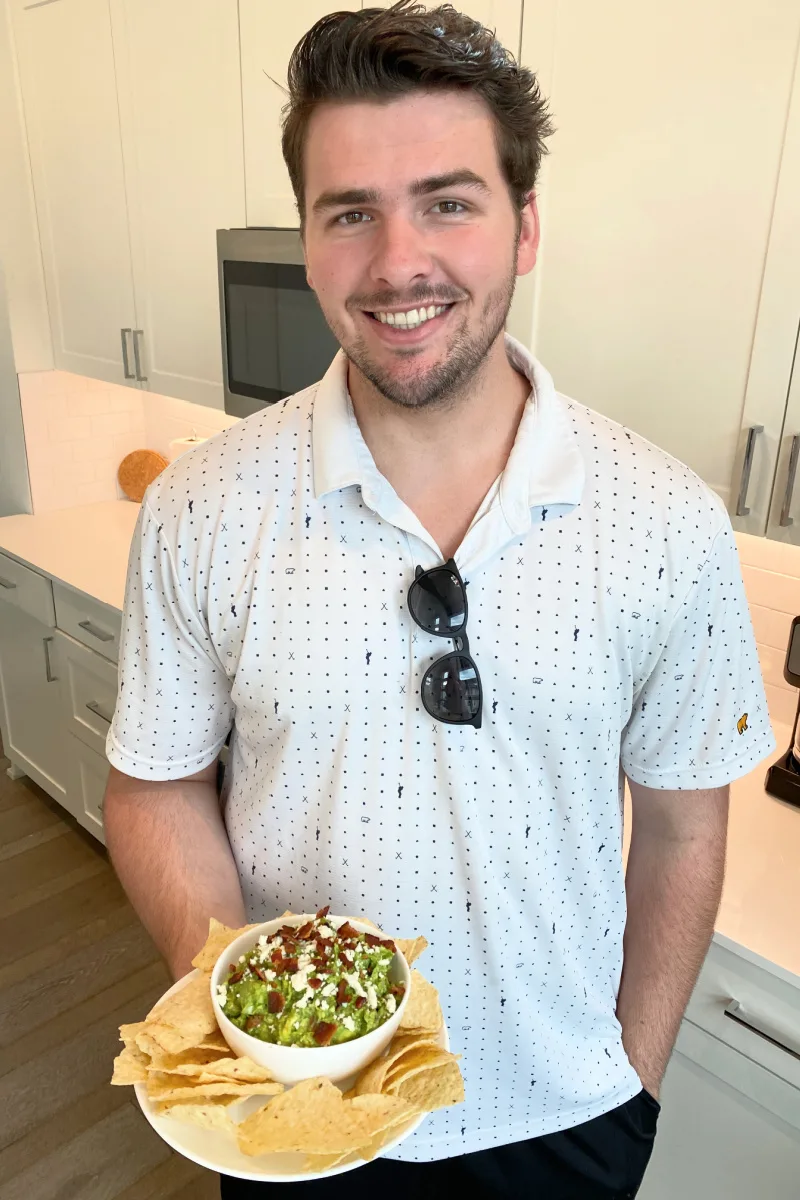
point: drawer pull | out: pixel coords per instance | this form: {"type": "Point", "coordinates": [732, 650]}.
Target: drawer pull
{"type": "Point", "coordinates": [102, 635]}
{"type": "Point", "coordinates": [784, 1039]}
{"type": "Point", "coordinates": [94, 707]}
{"type": "Point", "coordinates": [7, 584]}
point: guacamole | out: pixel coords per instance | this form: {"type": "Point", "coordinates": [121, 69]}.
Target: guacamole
{"type": "Point", "coordinates": [312, 985]}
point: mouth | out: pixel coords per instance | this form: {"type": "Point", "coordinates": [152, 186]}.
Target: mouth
{"type": "Point", "coordinates": [409, 324]}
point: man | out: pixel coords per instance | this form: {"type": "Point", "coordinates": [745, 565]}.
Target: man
{"type": "Point", "coordinates": [469, 786]}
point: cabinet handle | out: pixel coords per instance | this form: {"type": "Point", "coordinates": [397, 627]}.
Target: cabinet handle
{"type": "Point", "coordinates": [125, 364]}
{"type": "Point", "coordinates": [51, 678]}
{"type": "Point", "coordinates": [784, 1039]}
{"type": "Point", "coordinates": [741, 506]}
{"type": "Point", "coordinates": [94, 707]}
{"type": "Point", "coordinates": [6, 583]}
{"type": "Point", "coordinates": [137, 333]}
{"type": "Point", "coordinates": [96, 631]}
{"type": "Point", "coordinates": [790, 478]}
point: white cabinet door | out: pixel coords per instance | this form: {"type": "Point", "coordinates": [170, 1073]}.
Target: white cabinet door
{"type": "Point", "coordinates": [657, 202]}
{"type": "Point", "coordinates": [713, 1143]}
{"type": "Point", "coordinates": [66, 62]}
{"type": "Point", "coordinates": [775, 370]}
{"type": "Point", "coordinates": [33, 724]}
{"type": "Point", "coordinates": [268, 35]}
{"type": "Point", "coordinates": [179, 85]}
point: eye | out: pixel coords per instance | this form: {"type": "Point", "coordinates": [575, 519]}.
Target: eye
{"type": "Point", "coordinates": [449, 207]}
{"type": "Point", "coordinates": [351, 218]}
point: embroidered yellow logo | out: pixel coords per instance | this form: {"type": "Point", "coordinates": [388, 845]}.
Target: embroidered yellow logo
{"type": "Point", "coordinates": [741, 724]}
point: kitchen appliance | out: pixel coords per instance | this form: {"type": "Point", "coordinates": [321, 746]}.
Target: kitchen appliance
{"type": "Point", "coordinates": [275, 340]}
{"type": "Point", "coordinates": [783, 777]}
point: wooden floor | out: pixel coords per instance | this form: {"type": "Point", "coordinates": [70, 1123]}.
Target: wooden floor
{"type": "Point", "coordinates": [75, 963]}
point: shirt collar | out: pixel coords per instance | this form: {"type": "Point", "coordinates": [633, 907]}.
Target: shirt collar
{"type": "Point", "coordinates": [545, 465]}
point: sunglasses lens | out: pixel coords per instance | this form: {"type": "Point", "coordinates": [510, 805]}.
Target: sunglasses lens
{"type": "Point", "coordinates": [451, 690]}
{"type": "Point", "coordinates": [437, 602]}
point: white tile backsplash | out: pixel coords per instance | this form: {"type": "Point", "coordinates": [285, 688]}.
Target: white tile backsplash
{"type": "Point", "coordinates": [78, 430]}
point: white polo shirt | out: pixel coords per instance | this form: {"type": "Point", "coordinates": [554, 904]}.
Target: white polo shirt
{"type": "Point", "coordinates": [267, 589]}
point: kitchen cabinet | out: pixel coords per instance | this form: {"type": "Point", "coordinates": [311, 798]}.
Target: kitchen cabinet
{"type": "Point", "coordinates": [773, 391]}
{"type": "Point", "coordinates": [730, 1121]}
{"type": "Point", "coordinates": [31, 717]}
{"type": "Point", "coordinates": [134, 116]}
{"type": "Point", "coordinates": [268, 37]}
{"type": "Point", "coordinates": [657, 206]}
{"type": "Point", "coordinates": [65, 53]}
{"type": "Point", "coordinates": [179, 87]}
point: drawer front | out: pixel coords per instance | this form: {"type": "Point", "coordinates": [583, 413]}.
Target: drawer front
{"type": "Point", "coordinates": [89, 691]}
{"type": "Point", "coordinates": [89, 621]}
{"type": "Point", "coordinates": [751, 1010]}
{"type": "Point", "coordinates": [26, 589]}
{"type": "Point", "coordinates": [88, 777]}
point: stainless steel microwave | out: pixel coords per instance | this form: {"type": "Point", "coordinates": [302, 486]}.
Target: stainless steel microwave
{"type": "Point", "coordinates": [275, 340]}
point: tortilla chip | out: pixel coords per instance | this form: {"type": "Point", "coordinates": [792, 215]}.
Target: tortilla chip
{"type": "Point", "coordinates": [411, 948]}
{"type": "Point", "coordinates": [162, 1060]}
{"type": "Point", "coordinates": [386, 1116]}
{"type": "Point", "coordinates": [423, 1012]}
{"type": "Point", "coordinates": [219, 938]}
{"type": "Point", "coordinates": [214, 1041]}
{"type": "Point", "coordinates": [130, 1066]}
{"type": "Point", "coordinates": [189, 1011]}
{"type": "Point", "coordinates": [324, 1162]}
{"type": "Point", "coordinates": [129, 1033]}
{"type": "Point", "coordinates": [371, 1079]}
{"type": "Point", "coordinates": [169, 1087]}
{"type": "Point", "coordinates": [310, 1116]}
{"type": "Point", "coordinates": [428, 1090]}
{"type": "Point", "coordinates": [208, 1115]}
{"type": "Point", "coordinates": [422, 1059]}
{"type": "Point", "coordinates": [243, 1069]}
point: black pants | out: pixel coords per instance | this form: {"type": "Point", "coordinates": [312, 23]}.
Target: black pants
{"type": "Point", "coordinates": [603, 1159]}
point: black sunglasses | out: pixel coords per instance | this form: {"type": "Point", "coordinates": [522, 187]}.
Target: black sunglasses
{"type": "Point", "coordinates": [451, 687]}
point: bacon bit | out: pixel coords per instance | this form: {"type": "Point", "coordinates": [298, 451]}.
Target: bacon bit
{"type": "Point", "coordinates": [360, 1002]}
{"type": "Point", "coordinates": [315, 983]}
{"type": "Point", "coordinates": [372, 940]}
{"type": "Point", "coordinates": [389, 944]}
{"type": "Point", "coordinates": [275, 1002]}
{"type": "Point", "coordinates": [398, 989]}
{"type": "Point", "coordinates": [323, 1032]}
{"type": "Point", "coordinates": [231, 966]}
{"type": "Point", "coordinates": [287, 931]}
{"type": "Point", "coordinates": [347, 931]}
{"type": "Point", "coordinates": [323, 912]}
{"type": "Point", "coordinates": [289, 966]}
{"type": "Point", "coordinates": [276, 957]}
{"type": "Point", "coordinates": [261, 974]}
{"type": "Point", "coordinates": [236, 977]}
{"type": "Point", "coordinates": [342, 993]}
{"type": "Point", "coordinates": [319, 964]}
{"type": "Point", "coordinates": [304, 930]}
{"type": "Point", "coordinates": [253, 1022]}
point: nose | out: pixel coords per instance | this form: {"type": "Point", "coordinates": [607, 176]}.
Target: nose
{"type": "Point", "coordinates": [401, 256]}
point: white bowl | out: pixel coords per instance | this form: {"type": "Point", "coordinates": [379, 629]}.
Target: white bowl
{"type": "Point", "coordinates": [290, 1064]}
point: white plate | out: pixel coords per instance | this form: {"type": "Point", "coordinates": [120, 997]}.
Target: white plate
{"type": "Point", "coordinates": [219, 1151]}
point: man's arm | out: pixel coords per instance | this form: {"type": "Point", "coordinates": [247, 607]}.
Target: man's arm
{"type": "Point", "coordinates": [168, 845]}
{"type": "Point", "coordinates": [673, 882]}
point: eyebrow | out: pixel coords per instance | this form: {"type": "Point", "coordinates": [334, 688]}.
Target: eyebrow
{"type": "Point", "coordinates": [352, 197]}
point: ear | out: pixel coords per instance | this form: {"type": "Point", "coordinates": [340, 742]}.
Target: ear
{"type": "Point", "coordinates": [528, 245]}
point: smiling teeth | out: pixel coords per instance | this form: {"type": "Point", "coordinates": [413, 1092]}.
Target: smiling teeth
{"type": "Point", "coordinates": [412, 318]}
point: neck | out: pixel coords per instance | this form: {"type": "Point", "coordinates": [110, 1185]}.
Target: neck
{"type": "Point", "coordinates": [470, 436]}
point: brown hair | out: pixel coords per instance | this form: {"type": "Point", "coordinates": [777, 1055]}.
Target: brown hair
{"type": "Point", "coordinates": [382, 54]}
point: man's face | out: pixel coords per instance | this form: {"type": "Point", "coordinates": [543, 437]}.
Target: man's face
{"type": "Point", "coordinates": [407, 212]}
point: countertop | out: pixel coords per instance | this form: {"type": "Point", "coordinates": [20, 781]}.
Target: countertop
{"type": "Point", "coordinates": [87, 548]}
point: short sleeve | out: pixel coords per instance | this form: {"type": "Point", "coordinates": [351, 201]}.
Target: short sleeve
{"type": "Point", "coordinates": [700, 719]}
{"type": "Point", "coordinates": [174, 708]}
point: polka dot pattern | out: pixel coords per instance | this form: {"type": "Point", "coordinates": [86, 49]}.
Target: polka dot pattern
{"type": "Point", "coordinates": [267, 593]}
